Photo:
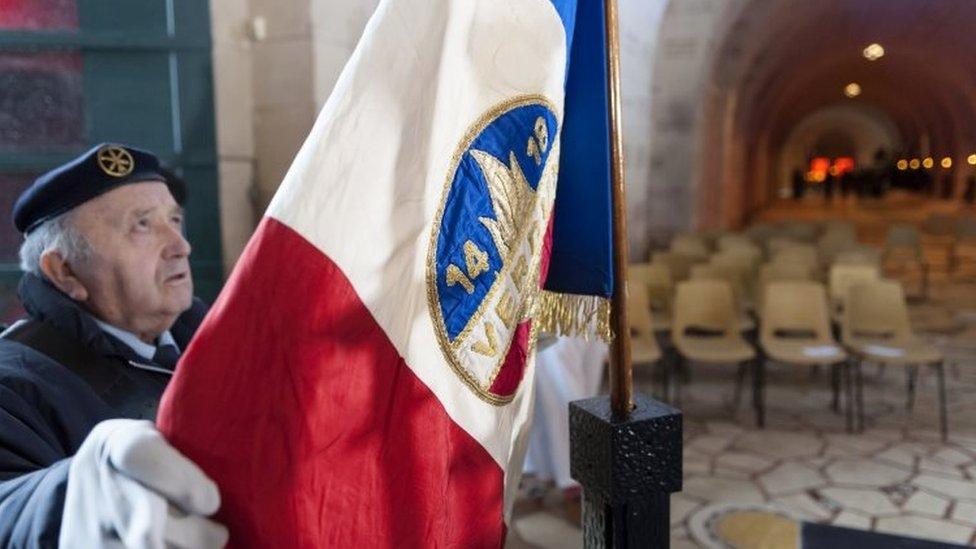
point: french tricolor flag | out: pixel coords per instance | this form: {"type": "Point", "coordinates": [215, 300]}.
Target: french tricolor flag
{"type": "Point", "coordinates": [365, 378]}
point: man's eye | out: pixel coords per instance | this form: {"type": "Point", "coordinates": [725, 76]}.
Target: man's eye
{"type": "Point", "coordinates": [142, 223]}
{"type": "Point", "coordinates": [178, 220]}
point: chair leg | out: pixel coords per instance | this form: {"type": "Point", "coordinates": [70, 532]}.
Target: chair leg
{"type": "Point", "coordinates": [859, 383]}
{"type": "Point", "coordinates": [835, 373]}
{"type": "Point", "coordinates": [758, 386]}
{"type": "Point", "coordinates": [849, 392]}
{"type": "Point", "coordinates": [912, 373]}
{"type": "Point", "coordinates": [670, 369]}
{"type": "Point", "coordinates": [943, 405]}
{"type": "Point", "coordinates": [740, 378]}
{"type": "Point", "coordinates": [681, 365]}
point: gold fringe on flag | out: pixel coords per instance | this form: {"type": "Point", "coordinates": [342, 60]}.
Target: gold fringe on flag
{"type": "Point", "coordinates": [584, 316]}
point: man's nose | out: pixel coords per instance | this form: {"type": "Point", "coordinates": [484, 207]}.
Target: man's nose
{"type": "Point", "coordinates": [177, 245]}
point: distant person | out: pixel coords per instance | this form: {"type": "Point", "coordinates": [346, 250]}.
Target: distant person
{"type": "Point", "coordinates": [846, 183]}
{"type": "Point", "coordinates": [948, 187]}
{"type": "Point", "coordinates": [799, 185]}
{"type": "Point", "coordinates": [829, 183]}
{"type": "Point", "coordinates": [970, 195]}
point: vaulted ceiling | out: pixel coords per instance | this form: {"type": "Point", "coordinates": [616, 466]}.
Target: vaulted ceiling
{"type": "Point", "coordinates": [786, 59]}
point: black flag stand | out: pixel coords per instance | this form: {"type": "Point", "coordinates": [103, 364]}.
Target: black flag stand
{"type": "Point", "coordinates": [625, 450]}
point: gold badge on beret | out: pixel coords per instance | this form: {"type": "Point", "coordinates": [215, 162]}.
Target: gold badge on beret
{"type": "Point", "coordinates": [115, 161]}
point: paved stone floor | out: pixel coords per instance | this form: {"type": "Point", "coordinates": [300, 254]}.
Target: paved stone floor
{"type": "Point", "coordinates": [896, 477]}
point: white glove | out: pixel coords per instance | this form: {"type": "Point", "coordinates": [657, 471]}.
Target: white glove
{"type": "Point", "coordinates": [128, 488]}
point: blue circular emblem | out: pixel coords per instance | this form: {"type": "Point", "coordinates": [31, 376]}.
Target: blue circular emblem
{"type": "Point", "coordinates": [483, 260]}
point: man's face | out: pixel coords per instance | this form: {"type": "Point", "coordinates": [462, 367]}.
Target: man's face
{"type": "Point", "coordinates": [138, 275]}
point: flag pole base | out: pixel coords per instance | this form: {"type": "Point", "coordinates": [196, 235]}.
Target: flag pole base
{"type": "Point", "coordinates": [628, 469]}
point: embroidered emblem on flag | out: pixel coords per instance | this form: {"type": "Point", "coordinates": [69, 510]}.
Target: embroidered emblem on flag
{"type": "Point", "coordinates": [483, 259]}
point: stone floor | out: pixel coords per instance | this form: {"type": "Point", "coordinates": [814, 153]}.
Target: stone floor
{"type": "Point", "coordinates": [895, 477]}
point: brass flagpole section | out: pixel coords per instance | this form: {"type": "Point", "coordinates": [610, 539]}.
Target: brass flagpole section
{"type": "Point", "coordinates": [621, 370]}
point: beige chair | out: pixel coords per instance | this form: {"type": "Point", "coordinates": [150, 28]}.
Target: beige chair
{"type": "Point", "coordinates": [732, 241]}
{"type": "Point", "coordinates": [690, 245]}
{"type": "Point", "coordinates": [712, 236]}
{"type": "Point", "coordinates": [903, 238]}
{"type": "Point", "coordinates": [842, 277]}
{"type": "Point", "coordinates": [745, 263]}
{"type": "Point", "coordinates": [777, 244]}
{"type": "Point", "coordinates": [904, 257]}
{"type": "Point", "coordinates": [678, 265]}
{"type": "Point", "coordinates": [836, 227]}
{"type": "Point", "coordinates": [964, 249]}
{"type": "Point", "coordinates": [796, 330]}
{"type": "Point", "coordinates": [966, 226]}
{"type": "Point", "coordinates": [939, 224]}
{"type": "Point", "coordinates": [772, 272]}
{"type": "Point", "coordinates": [733, 276]}
{"type": "Point", "coordinates": [761, 232]}
{"type": "Point", "coordinates": [656, 279]}
{"type": "Point", "coordinates": [800, 231]}
{"type": "Point", "coordinates": [643, 345]}
{"type": "Point", "coordinates": [833, 243]}
{"type": "Point", "coordinates": [803, 254]}
{"type": "Point", "coordinates": [876, 329]}
{"type": "Point", "coordinates": [705, 327]}
{"type": "Point", "coordinates": [860, 255]}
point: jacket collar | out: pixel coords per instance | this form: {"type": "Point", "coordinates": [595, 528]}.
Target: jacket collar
{"type": "Point", "coordinates": [45, 303]}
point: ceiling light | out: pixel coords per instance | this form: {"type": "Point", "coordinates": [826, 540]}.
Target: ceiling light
{"type": "Point", "coordinates": [972, 160]}
{"type": "Point", "coordinates": [928, 163]}
{"type": "Point", "coordinates": [946, 162]}
{"type": "Point", "coordinates": [914, 164]}
{"type": "Point", "coordinates": [852, 90]}
{"type": "Point", "coordinates": [902, 164]}
{"type": "Point", "coordinates": [874, 52]}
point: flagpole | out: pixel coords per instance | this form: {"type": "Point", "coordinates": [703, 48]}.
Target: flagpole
{"type": "Point", "coordinates": [621, 369]}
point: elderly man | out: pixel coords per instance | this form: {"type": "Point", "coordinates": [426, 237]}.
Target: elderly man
{"type": "Point", "coordinates": [108, 292]}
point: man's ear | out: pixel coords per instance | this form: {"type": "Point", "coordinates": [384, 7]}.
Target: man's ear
{"type": "Point", "coordinates": [57, 270]}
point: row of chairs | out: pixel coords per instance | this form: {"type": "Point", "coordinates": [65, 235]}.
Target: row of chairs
{"type": "Point", "coordinates": [795, 321]}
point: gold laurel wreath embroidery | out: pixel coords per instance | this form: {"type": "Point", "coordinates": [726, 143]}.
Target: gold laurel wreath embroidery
{"type": "Point", "coordinates": [433, 299]}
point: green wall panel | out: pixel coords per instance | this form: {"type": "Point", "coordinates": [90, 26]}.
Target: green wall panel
{"type": "Point", "coordinates": [147, 80]}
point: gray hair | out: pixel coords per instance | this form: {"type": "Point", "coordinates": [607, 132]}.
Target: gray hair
{"type": "Point", "coordinates": [57, 234]}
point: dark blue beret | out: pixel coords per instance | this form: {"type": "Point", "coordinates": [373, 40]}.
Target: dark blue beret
{"type": "Point", "coordinates": [95, 172]}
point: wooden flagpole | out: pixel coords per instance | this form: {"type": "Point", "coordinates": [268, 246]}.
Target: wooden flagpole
{"type": "Point", "coordinates": [621, 369]}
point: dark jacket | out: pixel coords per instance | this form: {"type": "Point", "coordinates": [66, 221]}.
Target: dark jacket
{"type": "Point", "coordinates": [47, 409]}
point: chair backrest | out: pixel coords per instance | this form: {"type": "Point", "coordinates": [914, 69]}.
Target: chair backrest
{"type": "Point", "coordinates": [843, 276]}
{"type": "Point", "coordinates": [732, 241]}
{"type": "Point", "coordinates": [837, 227]}
{"type": "Point", "coordinates": [706, 305]}
{"type": "Point", "coordinates": [773, 272]}
{"type": "Point", "coordinates": [876, 309]}
{"type": "Point", "coordinates": [796, 308]}
{"type": "Point", "coordinates": [739, 255]}
{"type": "Point", "coordinates": [777, 244]}
{"type": "Point", "coordinates": [656, 279]}
{"type": "Point", "coordinates": [690, 245]}
{"type": "Point", "coordinates": [939, 224]}
{"type": "Point", "coordinates": [804, 254]}
{"type": "Point", "coordinates": [744, 264]}
{"type": "Point", "coordinates": [966, 227]}
{"type": "Point", "coordinates": [861, 255]}
{"type": "Point", "coordinates": [761, 232]}
{"type": "Point", "coordinates": [639, 312]}
{"type": "Point", "coordinates": [713, 271]}
{"type": "Point", "coordinates": [833, 243]}
{"type": "Point", "coordinates": [679, 265]}
{"type": "Point", "coordinates": [901, 236]}
{"type": "Point", "coordinates": [800, 230]}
